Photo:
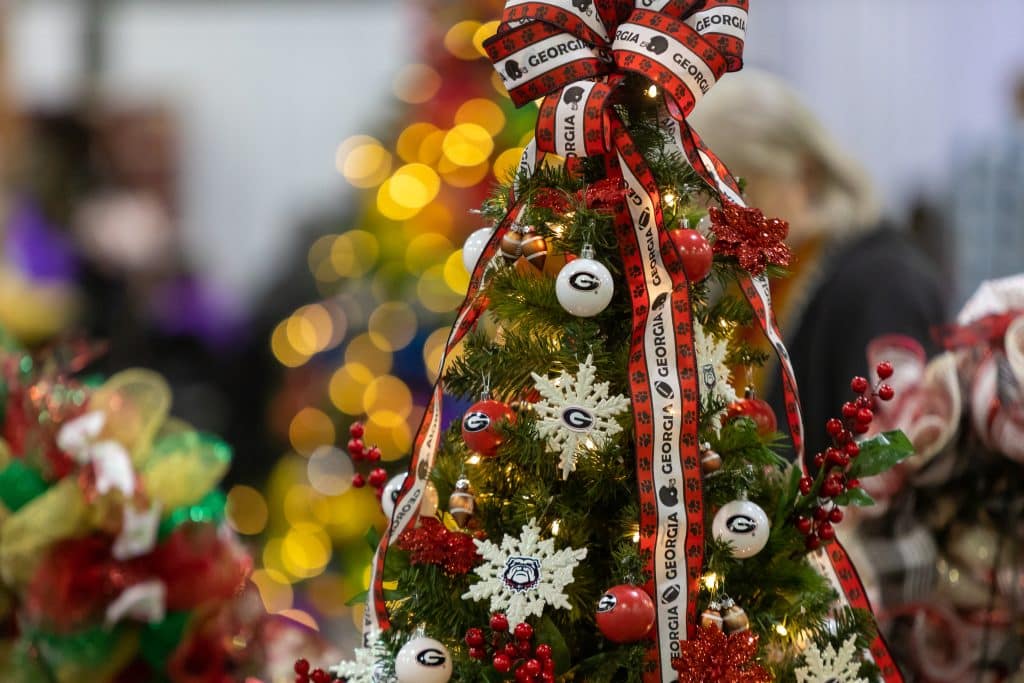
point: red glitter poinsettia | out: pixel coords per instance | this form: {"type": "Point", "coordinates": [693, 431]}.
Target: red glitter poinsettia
{"type": "Point", "coordinates": [432, 543]}
{"type": "Point", "coordinates": [713, 657]}
{"type": "Point", "coordinates": [755, 241]}
{"type": "Point", "coordinates": [600, 196]}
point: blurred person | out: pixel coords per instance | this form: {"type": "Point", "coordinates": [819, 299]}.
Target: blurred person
{"type": "Point", "coordinates": [988, 204]}
{"type": "Point", "coordinates": [853, 277]}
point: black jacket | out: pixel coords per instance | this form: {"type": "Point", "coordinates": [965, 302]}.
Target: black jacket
{"type": "Point", "coordinates": [877, 283]}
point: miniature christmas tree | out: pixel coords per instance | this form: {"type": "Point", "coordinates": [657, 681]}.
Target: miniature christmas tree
{"type": "Point", "coordinates": [630, 518]}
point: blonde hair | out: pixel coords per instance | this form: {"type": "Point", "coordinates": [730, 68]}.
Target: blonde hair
{"type": "Point", "coordinates": [758, 124]}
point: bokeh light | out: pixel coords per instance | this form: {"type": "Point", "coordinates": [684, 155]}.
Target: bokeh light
{"type": "Point", "coordinates": [305, 550]}
{"type": "Point", "coordinates": [362, 350]}
{"type": "Point", "coordinates": [426, 250]}
{"type": "Point", "coordinates": [434, 293]}
{"type": "Point", "coordinates": [463, 176]}
{"type": "Point", "coordinates": [329, 594]}
{"type": "Point", "coordinates": [354, 253]}
{"type": "Point", "coordinates": [416, 83]}
{"type": "Point", "coordinates": [274, 588]}
{"type": "Point", "coordinates": [282, 349]}
{"type": "Point", "coordinates": [363, 161]}
{"type": "Point", "coordinates": [330, 472]}
{"type": "Point", "coordinates": [393, 438]}
{"type": "Point", "coordinates": [392, 325]}
{"type": "Point", "coordinates": [309, 429]}
{"type": "Point", "coordinates": [455, 275]}
{"type": "Point", "coordinates": [413, 186]}
{"type": "Point", "coordinates": [482, 34]}
{"type": "Point", "coordinates": [410, 143]}
{"type": "Point", "coordinates": [246, 510]}
{"type": "Point", "coordinates": [347, 386]}
{"type": "Point", "coordinates": [387, 401]}
{"type": "Point", "coordinates": [433, 350]}
{"type": "Point", "coordinates": [483, 113]}
{"type": "Point", "coordinates": [467, 144]}
{"type": "Point", "coordinates": [459, 40]}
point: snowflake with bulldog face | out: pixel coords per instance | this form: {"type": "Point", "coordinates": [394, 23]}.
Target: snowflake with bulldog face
{"type": "Point", "coordinates": [524, 575]}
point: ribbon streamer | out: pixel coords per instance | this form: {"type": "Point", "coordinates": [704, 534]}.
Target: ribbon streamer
{"type": "Point", "coordinates": [574, 54]}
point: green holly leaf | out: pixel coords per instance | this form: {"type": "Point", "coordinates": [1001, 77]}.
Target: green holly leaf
{"type": "Point", "coordinates": [858, 497]}
{"type": "Point", "coordinates": [880, 454]}
{"type": "Point", "coordinates": [789, 495]}
{"type": "Point", "coordinates": [372, 538]}
{"type": "Point", "coordinates": [548, 633]}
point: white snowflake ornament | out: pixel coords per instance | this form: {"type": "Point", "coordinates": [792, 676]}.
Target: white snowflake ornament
{"type": "Point", "coordinates": [371, 664]}
{"type": "Point", "coordinates": [574, 411]}
{"type": "Point", "coordinates": [715, 377]}
{"type": "Point", "coordinates": [829, 665]}
{"type": "Point", "coordinates": [524, 575]}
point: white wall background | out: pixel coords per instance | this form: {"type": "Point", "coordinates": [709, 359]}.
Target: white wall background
{"type": "Point", "coordinates": [267, 90]}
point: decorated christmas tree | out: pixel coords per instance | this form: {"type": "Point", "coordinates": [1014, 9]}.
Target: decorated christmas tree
{"type": "Point", "coordinates": [616, 508]}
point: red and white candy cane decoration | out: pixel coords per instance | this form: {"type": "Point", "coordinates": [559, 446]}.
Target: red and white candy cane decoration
{"type": "Point", "coordinates": [574, 54]}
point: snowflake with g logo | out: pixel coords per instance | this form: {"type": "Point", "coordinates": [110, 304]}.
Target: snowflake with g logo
{"type": "Point", "coordinates": [576, 411]}
{"type": "Point", "coordinates": [826, 664]}
{"type": "Point", "coordinates": [524, 575]}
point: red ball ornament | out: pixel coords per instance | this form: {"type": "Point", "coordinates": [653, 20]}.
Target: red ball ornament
{"type": "Point", "coordinates": [886, 392]}
{"type": "Point", "coordinates": [373, 455]}
{"type": "Point", "coordinates": [865, 416]}
{"type": "Point", "coordinates": [849, 410]}
{"type": "Point", "coordinates": [859, 384]}
{"type": "Point", "coordinates": [357, 430]}
{"type": "Point", "coordinates": [358, 480]}
{"type": "Point", "coordinates": [543, 652]}
{"type": "Point", "coordinates": [477, 653]}
{"type": "Point", "coordinates": [835, 515]}
{"type": "Point", "coordinates": [853, 484]}
{"type": "Point", "coordinates": [499, 622]}
{"type": "Point", "coordinates": [532, 667]}
{"type": "Point", "coordinates": [819, 513]}
{"type": "Point", "coordinates": [803, 524]}
{"type": "Point", "coordinates": [852, 449]}
{"type": "Point", "coordinates": [805, 485]}
{"type": "Point", "coordinates": [301, 667]}
{"type": "Point", "coordinates": [884, 369]}
{"type": "Point", "coordinates": [625, 614]}
{"type": "Point", "coordinates": [834, 427]}
{"type": "Point", "coordinates": [826, 531]}
{"type": "Point", "coordinates": [480, 425]}
{"type": "Point", "coordinates": [757, 410]}
{"type": "Point", "coordinates": [502, 663]}
{"type": "Point", "coordinates": [695, 252]}
{"type": "Point", "coordinates": [320, 676]}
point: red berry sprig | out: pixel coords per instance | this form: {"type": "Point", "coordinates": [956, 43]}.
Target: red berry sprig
{"type": "Point", "coordinates": [512, 652]}
{"type": "Point", "coordinates": [833, 463]}
{"type": "Point", "coordinates": [376, 477]}
{"type": "Point", "coordinates": [304, 675]}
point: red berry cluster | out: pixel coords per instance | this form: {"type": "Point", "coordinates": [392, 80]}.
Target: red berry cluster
{"type": "Point", "coordinates": [833, 462]}
{"type": "Point", "coordinates": [357, 449]}
{"type": "Point", "coordinates": [532, 664]}
{"type": "Point", "coordinates": [304, 675]}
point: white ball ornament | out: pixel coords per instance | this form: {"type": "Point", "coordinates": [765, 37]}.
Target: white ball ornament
{"type": "Point", "coordinates": [389, 495]}
{"type": "Point", "coordinates": [474, 246]}
{"type": "Point", "coordinates": [744, 525]}
{"type": "Point", "coordinates": [423, 660]}
{"type": "Point", "coordinates": [584, 287]}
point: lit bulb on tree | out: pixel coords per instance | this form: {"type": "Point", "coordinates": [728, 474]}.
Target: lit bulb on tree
{"type": "Point", "coordinates": [584, 287]}
{"type": "Point", "coordinates": [423, 660]}
{"type": "Point", "coordinates": [474, 247]}
{"type": "Point", "coordinates": [625, 614]}
{"type": "Point", "coordinates": [743, 524]}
